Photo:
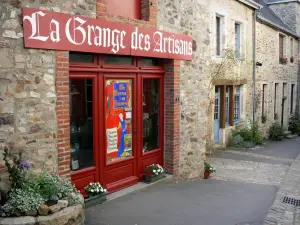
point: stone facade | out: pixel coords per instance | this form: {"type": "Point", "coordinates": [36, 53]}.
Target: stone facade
{"type": "Point", "coordinates": [197, 18]}
{"type": "Point", "coordinates": [289, 12]}
{"type": "Point", "coordinates": [271, 72]}
{"type": "Point", "coordinates": [27, 84]}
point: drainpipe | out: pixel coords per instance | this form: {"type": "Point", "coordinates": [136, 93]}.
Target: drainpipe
{"type": "Point", "coordinates": [298, 83]}
{"type": "Point", "coordinates": [254, 64]}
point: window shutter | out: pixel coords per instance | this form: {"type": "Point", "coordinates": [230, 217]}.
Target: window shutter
{"type": "Point", "coordinates": [218, 35]}
{"type": "Point", "coordinates": [280, 46]}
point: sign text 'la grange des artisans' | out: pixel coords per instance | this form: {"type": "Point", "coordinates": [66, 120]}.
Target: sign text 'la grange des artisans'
{"type": "Point", "coordinates": [51, 30]}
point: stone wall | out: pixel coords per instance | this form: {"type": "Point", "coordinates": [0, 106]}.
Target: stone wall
{"type": "Point", "coordinates": [273, 72]}
{"type": "Point", "coordinates": [197, 18]}
{"type": "Point", "coordinates": [27, 84]}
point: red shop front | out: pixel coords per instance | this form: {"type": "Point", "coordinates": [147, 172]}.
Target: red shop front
{"type": "Point", "coordinates": [115, 92]}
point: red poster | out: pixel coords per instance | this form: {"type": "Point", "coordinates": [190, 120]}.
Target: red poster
{"type": "Point", "coordinates": [118, 119]}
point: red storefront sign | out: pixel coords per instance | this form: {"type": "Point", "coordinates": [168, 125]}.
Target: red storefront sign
{"type": "Point", "coordinates": [51, 30]}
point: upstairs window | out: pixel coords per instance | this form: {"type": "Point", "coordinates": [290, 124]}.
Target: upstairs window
{"type": "Point", "coordinates": [218, 35]}
{"type": "Point", "coordinates": [281, 46]}
{"type": "Point", "coordinates": [126, 8]}
{"type": "Point", "coordinates": [237, 28]}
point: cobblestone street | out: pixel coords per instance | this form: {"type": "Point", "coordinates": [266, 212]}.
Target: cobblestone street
{"type": "Point", "coordinates": [239, 193]}
{"type": "Point", "coordinates": [275, 164]}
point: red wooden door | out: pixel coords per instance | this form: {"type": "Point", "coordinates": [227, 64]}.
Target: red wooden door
{"type": "Point", "coordinates": [116, 128]}
{"type": "Point", "coordinates": [119, 117]}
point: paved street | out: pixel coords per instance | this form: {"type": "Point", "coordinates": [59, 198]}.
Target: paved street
{"type": "Point", "coordinates": [240, 193]}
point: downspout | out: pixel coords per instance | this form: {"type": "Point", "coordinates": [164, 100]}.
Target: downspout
{"type": "Point", "coordinates": [254, 65]}
{"type": "Point", "coordinates": [298, 84]}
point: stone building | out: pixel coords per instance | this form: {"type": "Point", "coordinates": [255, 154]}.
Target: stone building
{"type": "Point", "coordinates": [277, 78]}
{"type": "Point", "coordinates": [90, 89]}
{"type": "Point", "coordinates": [95, 90]}
{"type": "Point", "coordinates": [214, 97]}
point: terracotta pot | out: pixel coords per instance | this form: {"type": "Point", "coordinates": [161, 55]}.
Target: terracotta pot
{"type": "Point", "coordinates": [206, 174]}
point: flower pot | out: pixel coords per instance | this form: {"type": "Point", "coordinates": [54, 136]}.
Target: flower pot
{"type": "Point", "coordinates": [94, 200]}
{"type": "Point", "coordinates": [206, 174]}
{"type": "Point", "coordinates": [148, 179]}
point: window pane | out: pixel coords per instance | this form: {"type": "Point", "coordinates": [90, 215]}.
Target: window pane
{"type": "Point", "coordinates": [81, 126]}
{"type": "Point", "coordinates": [150, 114]}
{"type": "Point", "coordinates": [237, 41]}
{"type": "Point", "coordinates": [118, 60]}
{"type": "Point", "coordinates": [218, 35]}
{"type": "Point", "coordinates": [118, 114]}
{"type": "Point", "coordinates": [152, 62]}
{"type": "Point", "coordinates": [81, 57]}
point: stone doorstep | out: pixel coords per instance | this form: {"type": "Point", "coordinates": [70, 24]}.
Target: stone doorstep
{"type": "Point", "coordinates": [137, 187]}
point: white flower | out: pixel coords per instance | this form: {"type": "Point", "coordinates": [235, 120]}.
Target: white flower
{"type": "Point", "coordinates": [92, 190]}
{"type": "Point", "coordinates": [105, 190]}
{"type": "Point", "coordinates": [154, 171]}
{"type": "Point", "coordinates": [101, 189]}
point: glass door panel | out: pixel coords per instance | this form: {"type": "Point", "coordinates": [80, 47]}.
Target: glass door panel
{"type": "Point", "coordinates": [118, 119]}
{"type": "Point", "coordinates": [81, 123]}
{"type": "Point", "coordinates": [151, 114]}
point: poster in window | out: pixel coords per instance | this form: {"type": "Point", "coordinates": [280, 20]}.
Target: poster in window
{"type": "Point", "coordinates": [118, 116]}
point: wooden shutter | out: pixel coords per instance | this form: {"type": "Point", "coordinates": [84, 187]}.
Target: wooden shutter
{"type": "Point", "coordinates": [237, 41]}
{"type": "Point", "coordinates": [280, 46]}
{"type": "Point", "coordinates": [218, 35]}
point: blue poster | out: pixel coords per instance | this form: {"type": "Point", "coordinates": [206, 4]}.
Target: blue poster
{"type": "Point", "coordinates": [120, 95]}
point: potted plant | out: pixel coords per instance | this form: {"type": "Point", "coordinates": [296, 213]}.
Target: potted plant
{"type": "Point", "coordinates": [208, 169]}
{"type": "Point", "coordinates": [283, 60]}
{"type": "Point", "coordinates": [153, 173]}
{"type": "Point", "coordinates": [298, 130]}
{"type": "Point", "coordinates": [94, 193]}
{"type": "Point", "coordinates": [292, 59]}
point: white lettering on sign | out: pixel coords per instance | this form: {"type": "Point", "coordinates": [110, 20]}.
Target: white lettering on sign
{"type": "Point", "coordinates": [71, 31]}
{"type": "Point", "coordinates": [79, 28]}
{"type": "Point", "coordinates": [35, 26]}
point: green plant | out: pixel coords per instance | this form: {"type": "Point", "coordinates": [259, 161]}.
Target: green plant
{"type": "Point", "coordinates": [16, 168]}
{"type": "Point", "coordinates": [264, 118]}
{"type": "Point", "coordinates": [208, 167]}
{"type": "Point", "coordinates": [250, 133]}
{"type": "Point", "coordinates": [276, 132]}
{"type": "Point", "coordinates": [294, 123]}
{"type": "Point", "coordinates": [64, 187]}
{"type": "Point", "coordinates": [95, 189]}
{"type": "Point", "coordinates": [21, 201]}
{"type": "Point", "coordinates": [45, 185]}
{"type": "Point", "coordinates": [51, 187]}
{"type": "Point", "coordinates": [153, 170]}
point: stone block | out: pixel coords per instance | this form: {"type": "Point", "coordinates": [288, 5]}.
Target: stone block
{"type": "Point", "coordinates": [288, 218]}
{"type": "Point", "coordinates": [47, 58]}
{"type": "Point", "coordinates": [11, 24]}
{"type": "Point", "coordinates": [31, 213]}
{"type": "Point", "coordinates": [44, 210]}
{"type": "Point", "coordinates": [48, 79]}
{"type": "Point", "coordinates": [63, 203]}
{"type": "Point", "coordinates": [11, 34]}
{"type": "Point", "coordinates": [55, 208]}
{"type": "Point", "coordinates": [25, 220]}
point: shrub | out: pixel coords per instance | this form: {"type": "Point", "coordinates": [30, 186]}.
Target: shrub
{"type": "Point", "coordinates": [21, 201]}
{"type": "Point", "coordinates": [250, 133]}
{"type": "Point", "coordinates": [276, 132]}
{"type": "Point", "coordinates": [52, 187]}
{"type": "Point", "coordinates": [16, 168]}
{"type": "Point", "coordinates": [294, 123]}
{"type": "Point", "coordinates": [264, 118]}
{"type": "Point", "coordinates": [45, 185]}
